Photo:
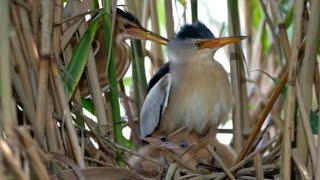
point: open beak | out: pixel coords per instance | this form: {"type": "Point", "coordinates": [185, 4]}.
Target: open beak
{"type": "Point", "coordinates": [218, 42]}
{"type": "Point", "coordinates": [141, 33]}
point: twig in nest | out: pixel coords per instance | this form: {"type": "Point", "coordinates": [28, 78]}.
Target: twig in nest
{"type": "Point", "coordinates": [220, 162]}
{"type": "Point", "coordinates": [250, 156]}
{"type": "Point", "coordinates": [176, 159]}
{"type": "Point", "coordinates": [69, 162]}
{"type": "Point", "coordinates": [135, 153]}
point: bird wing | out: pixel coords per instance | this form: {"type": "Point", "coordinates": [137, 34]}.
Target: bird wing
{"type": "Point", "coordinates": [155, 105]}
{"type": "Point", "coordinates": [165, 69]}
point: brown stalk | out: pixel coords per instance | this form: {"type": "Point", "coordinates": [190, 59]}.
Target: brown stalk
{"type": "Point", "coordinates": [51, 129]}
{"type": "Point", "coordinates": [73, 138]}
{"type": "Point", "coordinates": [156, 29]}
{"type": "Point", "coordinates": [300, 165]}
{"type": "Point", "coordinates": [69, 32]}
{"type": "Point", "coordinates": [78, 16]}
{"type": "Point", "coordinates": [12, 161]}
{"type": "Point", "coordinates": [169, 19]}
{"type": "Point", "coordinates": [22, 67]}
{"type": "Point", "coordinates": [137, 154]}
{"type": "Point", "coordinates": [293, 54]}
{"type": "Point", "coordinates": [235, 83]}
{"type": "Point", "coordinates": [28, 36]}
{"type": "Point", "coordinates": [96, 93]}
{"type": "Point", "coordinates": [169, 154]}
{"type": "Point", "coordinates": [29, 111]}
{"type": "Point", "coordinates": [56, 34]}
{"type": "Point", "coordinates": [272, 27]}
{"type": "Point", "coordinates": [69, 162]}
{"type": "Point", "coordinates": [45, 51]}
{"type": "Point", "coordinates": [23, 4]}
{"type": "Point", "coordinates": [146, 13]}
{"type": "Point", "coordinates": [109, 114]}
{"type": "Point", "coordinates": [2, 165]}
{"type": "Point", "coordinates": [54, 94]}
{"type": "Point", "coordinates": [272, 155]}
{"type": "Point", "coordinates": [276, 117]}
{"type": "Point", "coordinates": [134, 126]}
{"type": "Point", "coordinates": [258, 167]}
{"type": "Point", "coordinates": [256, 55]}
{"type": "Point", "coordinates": [306, 125]}
{"type": "Point", "coordinates": [275, 10]}
{"type": "Point", "coordinates": [144, 18]}
{"type": "Point", "coordinates": [244, 7]}
{"type": "Point", "coordinates": [262, 116]}
{"type": "Point", "coordinates": [250, 157]}
{"type": "Point", "coordinates": [171, 171]}
{"type": "Point", "coordinates": [308, 63]}
{"type": "Point", "coordinates": [252, 169]}
{"type": "Point", "coordinates": [93, 128]}
{"type": "Point", "coordinates": [31, 149]}
{"type": "Point", "coordinates": [18, 28]}
{"type": "Point", "coordinates": [284, 40]}
{"type": "Point", "coordinates": [317, 83]}
{"type": "Point", "coordinates": [46, 27]}
{"type": "Point", "coordinates": [35, 16]}
{"type": "Point", "coordinates": [41, 103]}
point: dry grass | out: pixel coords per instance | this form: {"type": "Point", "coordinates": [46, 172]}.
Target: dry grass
{"type": "Point", "coordinates": [45, 134]}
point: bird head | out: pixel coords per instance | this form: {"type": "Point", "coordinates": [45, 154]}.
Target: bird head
{"type": "Point", "coordinates": [131, 27]}
{"type": "Point", "coordinates": [196, 41]}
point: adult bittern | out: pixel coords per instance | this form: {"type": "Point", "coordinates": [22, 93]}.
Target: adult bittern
{"type": "Point", "coordinates": [192, 90]}
{"type": "Point", "coordinates": [126, 26]}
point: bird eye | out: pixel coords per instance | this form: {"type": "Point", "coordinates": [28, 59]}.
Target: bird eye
{"type": "Point", "coordinates": [198, 43]}
{"type": "Point", "coordinates": [183, 144]}
{"type": "Point", "coordinates": [127, 25]}
{"type": "Point", "coordinates": [163, 138]}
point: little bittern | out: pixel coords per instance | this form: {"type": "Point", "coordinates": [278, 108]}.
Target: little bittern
{"type": "Point", "coordinates": [192, 90]}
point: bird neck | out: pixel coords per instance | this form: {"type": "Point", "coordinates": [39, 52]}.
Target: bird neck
{"type": "Point", "coordinates": [197, 59]}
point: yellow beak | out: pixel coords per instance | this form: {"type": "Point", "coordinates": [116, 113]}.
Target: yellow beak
{"type": "Point", "coordinates": [141, 33]}
{"type": "Point", "coordinates": [218, 42]}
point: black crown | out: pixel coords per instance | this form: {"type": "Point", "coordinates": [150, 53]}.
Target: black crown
{"type": "Point", "coordinates": [196, 30]}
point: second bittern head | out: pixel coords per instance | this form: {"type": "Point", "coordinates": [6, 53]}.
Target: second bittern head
{"type": "Point", "coordinates": [130, 26]}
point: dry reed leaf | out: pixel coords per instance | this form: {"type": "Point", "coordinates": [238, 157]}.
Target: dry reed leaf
{"type": "Point", "coordinates": [100, 173]}
{"type": "Point", "coordinates": [69, 162]}
{"type": "Point", "coordinates": [31, 148]}
{"type": "Point", "coordinates": [68, 34]}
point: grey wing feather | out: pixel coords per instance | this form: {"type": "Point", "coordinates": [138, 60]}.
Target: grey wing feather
{"type": "Point", "coordinates": [154, 106]}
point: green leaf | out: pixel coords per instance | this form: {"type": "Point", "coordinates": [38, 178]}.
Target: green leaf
{"type": "Point", "coordinates": [161, 13]}
{"type": "Point", "coordinates": [256, 13]}
{"type": "Point", "coordinates": [274, 80]}
{"type": "Point", "coordinates": [182, 2]}
{"type": "Point", "coordinates": [112, 77]}
{"type": "Point", "coordinates": [314, 121]}
{"type": "Point", "coordinates": [289, 18]}
{"type": "Point", "coordinates": [79, 121]}
{"type": "Point", "coordinates": [265, 41]}
{"type": "Point", "coordinates": [79, 58]}
{"type": "Point", "coordinates": [127, 81]}
{"type": "Point", "coordinates": [87, 104]}
{"type": "Point", "coordinates": [194, 10]}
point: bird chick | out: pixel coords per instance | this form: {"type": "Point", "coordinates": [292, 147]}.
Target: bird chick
{"type": "Point", "coordinates": [182, 146]}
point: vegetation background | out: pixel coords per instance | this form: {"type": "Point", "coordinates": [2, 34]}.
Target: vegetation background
{"type": "Point", "coordinates": [72, 86]}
